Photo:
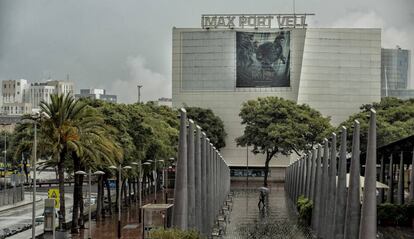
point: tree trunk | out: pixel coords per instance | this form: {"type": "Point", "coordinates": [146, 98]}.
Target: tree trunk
{"type": "Point", "coordinates": [26, 171]}
{"type": "Point", "coordinates": [81, 203]}
{"type": "Point", "coordinates": [61, 174]}
{"type": "Point", "coordinates": [269, 156]}
{"type": "Point", "coordinates": [76, 198]}
{"type": "Point", "coordinates": [124, 191]}
{"type": "Point", "coordinates": [135, 189]}
{"type": "Point", "coordinates": [129, 192]}
{"type": "Point", "coordinates": [99, 199]}
{"type": "Point", "coordinates": [108, 190]}
{"type": "Point", "coordinates": [117, 193]}
{"type": "Point", "coordinates": [75, 208]}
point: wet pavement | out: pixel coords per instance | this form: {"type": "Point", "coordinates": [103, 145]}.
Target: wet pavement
{"type": "Point", "coordinates": [107, 228]}
{"type": "Point", "coordinates": [276, 220]}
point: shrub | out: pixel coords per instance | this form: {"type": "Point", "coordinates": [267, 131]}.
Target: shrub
{"type": "Point", "coordinates": [395, 215]}
{"type": "Point", "coordinates": [174, 234]}
{"type": "Point", "coordinates": [305, 206]}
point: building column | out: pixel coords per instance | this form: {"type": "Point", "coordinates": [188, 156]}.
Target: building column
{"type": "Point", "coordinates": [412, 179]}
{"type": "Point", "coordinates": [390, 194]}
{"type": "Point", "coordinates": [382, 180]}
{"type": "Point", "coordinates": [400, 199]}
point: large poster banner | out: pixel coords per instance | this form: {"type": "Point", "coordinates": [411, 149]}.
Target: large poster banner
{"type": "Point", "coordinates": [263, 59]}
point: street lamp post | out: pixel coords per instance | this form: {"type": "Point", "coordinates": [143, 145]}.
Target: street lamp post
{"type": "Point", "coordinates": [33, 120]}
{"type": "Point", "coordinates": [119, 194]}
{"type": "Point", "coordinates": [34, 182]}
{"type": "Point", "coordinates": [89, 196]}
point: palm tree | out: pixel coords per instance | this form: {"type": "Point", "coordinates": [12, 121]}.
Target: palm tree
{"type": "Point", "coordinates": [75, 132]}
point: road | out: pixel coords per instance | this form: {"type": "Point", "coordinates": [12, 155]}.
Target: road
{"type": "Point", "coordinates": [21, 217]}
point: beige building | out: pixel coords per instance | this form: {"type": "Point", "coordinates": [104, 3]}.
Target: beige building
{"type": "Point", "coordinates": [333, 70]}
{"type": "Point", "coordinates": [13, 92]}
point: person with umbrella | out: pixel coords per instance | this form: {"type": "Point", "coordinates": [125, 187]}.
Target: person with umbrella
{"type": "Point", "coordinates": [262, 197]}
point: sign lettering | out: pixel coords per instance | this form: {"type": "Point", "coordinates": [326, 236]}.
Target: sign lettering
{"type": "Point", "coordinates": [255, 21]}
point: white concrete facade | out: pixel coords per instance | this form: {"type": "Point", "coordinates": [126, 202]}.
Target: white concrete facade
{"type": "Point", "coordinates": [333, 70]}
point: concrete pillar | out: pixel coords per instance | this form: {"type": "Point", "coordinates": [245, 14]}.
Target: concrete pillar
{"type": "Point", "coordinates": [191, 176]}
{"type": "Point", "coordinates": [400, 199]}
{"type": "Point", "coordinates": [353, 203]}
{"type": "Point", "coordinates": [204, 217]}
{"type": "Point", "coordinates": [198, 175]}
{"type": "Point", "coordinates": [382, 180]}
{"type": "Point", "coordinates": [180, 213]}
{"type": "Point", "coordinates": [324, 191]}
{"type": "Point", "coordinates": [331, 190]}
{"type": "Point", "coordinates": [341, 192]}
{"type": "Point", "coordinates": [412, 179]}
{"type": "Point", "coordinates": [368, 226]}
{"type": "Point", "coordinates": [390, 194]}
{"type": "Point", "coordinates": [316, 212]}
{"type": "Point", "coordinates": [313, 176]}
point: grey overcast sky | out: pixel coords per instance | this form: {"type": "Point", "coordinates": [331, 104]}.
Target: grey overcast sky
{"type": "Point", "coordinates": [116, 44]}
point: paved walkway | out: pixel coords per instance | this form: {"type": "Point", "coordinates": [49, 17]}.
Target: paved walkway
{"type": "Point", "coordinates": [275, 221]}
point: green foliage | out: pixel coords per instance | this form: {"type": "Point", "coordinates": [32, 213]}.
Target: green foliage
{"type": "Point", "coordinates": [395, 120]}
{"type": "Point", "coordinates": [304, 206]}
{"type": "Point", "coordinates": [281, 126]}
{"type": "Point", "coordinates": [174, 234]}
{"type": "Point", "coordinates": [395, 215]}
{"type": "Point", "coordinates": [210, 123]}
{"type": "Point", "coordinates": [275, 125]}
{"type": "Point", "coordinates": [144, 131]}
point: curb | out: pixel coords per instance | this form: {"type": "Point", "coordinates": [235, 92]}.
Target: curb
{"type": "Point", "coordinates": [18, 206]}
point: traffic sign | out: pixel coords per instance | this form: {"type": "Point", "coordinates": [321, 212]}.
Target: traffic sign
{"type": "Point", "coordinates": [54, 194]}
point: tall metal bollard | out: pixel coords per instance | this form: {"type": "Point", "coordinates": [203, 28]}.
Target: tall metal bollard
{"type": "Point", "coordinates": [316, 212]}
{"type": "Point", "coordinates": [308, 174]}
{"type": "Point", "coordinates": [341, 192]}
{"type": "Point", "coordinates": [204, 184]}
{"type": "Point", "coordinates": [180, 213]}
{"type": "Point", "coordinates": [353, 204]}
{"type": "Point", "coordinates": [331, 190]}
{"type": "Point", "coordinates": [313, 176]}
{"type": "Point", "coordinates": [368, 226]}
{"type": "Point", "coordinates": [324, 191]}
{"type": "Point", "coordinates": [191, 176]}
{"type": "Point", "coordinates": [198, 175]}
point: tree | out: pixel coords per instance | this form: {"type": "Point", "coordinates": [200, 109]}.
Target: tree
{"type": "Point", "coordinates": [275, 125]}
{"type": "Point", "coordinates": [210, 123]}
{"type": "Point", "coordinates": [395, 120]}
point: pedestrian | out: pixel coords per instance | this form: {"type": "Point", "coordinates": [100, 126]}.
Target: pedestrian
{"type": "Point", "coordinates": [262, 199]}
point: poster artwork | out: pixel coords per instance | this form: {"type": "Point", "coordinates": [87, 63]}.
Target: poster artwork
{"type": "Point", "coordinates": [263, 59]}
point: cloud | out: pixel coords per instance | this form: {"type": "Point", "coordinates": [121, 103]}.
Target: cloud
{"type": "Point", "coordinates": [155, 85]}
